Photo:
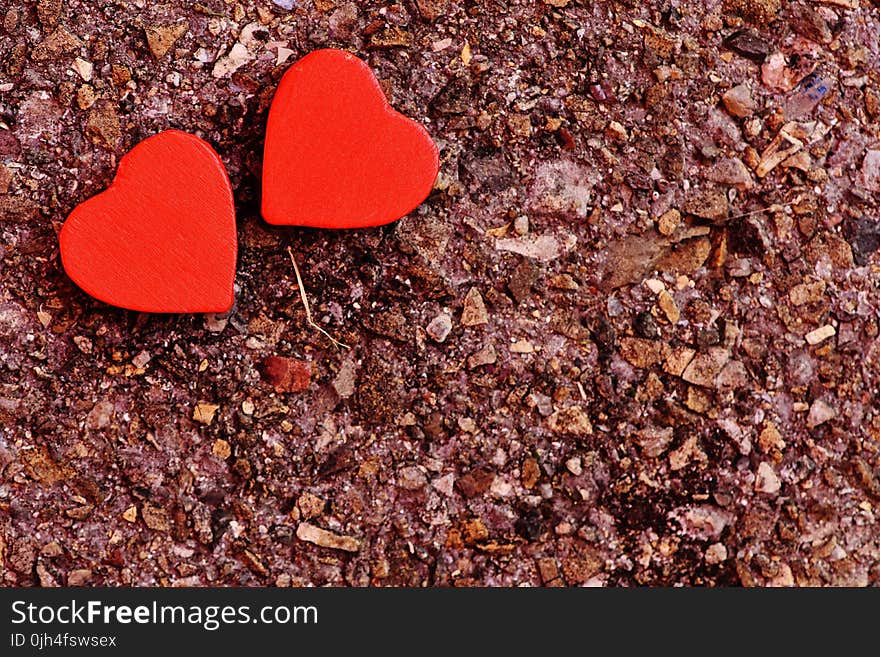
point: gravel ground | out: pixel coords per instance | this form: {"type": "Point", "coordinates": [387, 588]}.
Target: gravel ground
{"type": "Point", "coordinates": [630, 339]}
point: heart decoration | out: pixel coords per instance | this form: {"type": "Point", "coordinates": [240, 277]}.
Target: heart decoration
{"type": "Point", "coordinates": [162, 237]}
{"type": "Point", "coordinates": [337, 155]}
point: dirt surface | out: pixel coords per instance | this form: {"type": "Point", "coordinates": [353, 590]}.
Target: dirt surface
{"type": "Point", "coordinates": [605, 351]}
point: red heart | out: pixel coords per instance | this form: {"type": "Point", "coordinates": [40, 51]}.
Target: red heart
{"type": "Point", "coordinates": [337, 155]}
{"type": "Point", "coordinates": [162, 237]}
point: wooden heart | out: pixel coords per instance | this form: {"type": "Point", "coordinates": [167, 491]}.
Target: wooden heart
{"type": "Point", "coordinates": [162, 237]}
{"type": "Point", "coordinates": [337, 155]}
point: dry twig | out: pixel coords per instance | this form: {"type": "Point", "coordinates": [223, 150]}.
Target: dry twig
{"type": "Point", "coordinates": [305, 300]}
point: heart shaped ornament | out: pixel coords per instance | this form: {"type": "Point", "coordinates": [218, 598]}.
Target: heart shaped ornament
{"type": "Point", "coordinates": [161, 238]}
{"type": "Point", "coordinates": [337, 155]}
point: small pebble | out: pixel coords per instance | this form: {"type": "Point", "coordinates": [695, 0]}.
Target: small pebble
{"type": "Point", "coordinates": [820, 334]}
{"type": "Point", "coordinates": [668, 306]}
{"type": "Point", "coordinates": [739, 102]}
{"type": "Point", "coordinates": [221, 449]}
{"type": "Point", "coordinates": [83, 68]}
{"type": "Point", "coordinates": [655, 285]}
{"type": "Point", "coordinates": [668, 222]}
{"type": "Point", "coordinates": [573, 465]}
{"type": "Point", "coordinates": [440, 327]}
{"type": "Point", "coordinates": [204, 413]}
{"type": "Point", "coordinates": [820, 413]}
{"type": "Point", "coordinates": [716, 553]}
{"type": "Point", "coordinates": [766, 479]}
{"type": "Point", "coordinates": [474, 311]}
{"type": "Point", "coordinates": [485, 356]}
{"type": "Point", "coordinates": [312, 534]}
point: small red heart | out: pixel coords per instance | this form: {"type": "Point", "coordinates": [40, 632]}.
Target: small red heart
{"type": "Point", "coordinates": [337, 155]}
{"type": "Point", "coordinates": [162, 237]}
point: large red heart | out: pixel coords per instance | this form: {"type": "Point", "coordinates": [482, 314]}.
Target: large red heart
{"type": "Point", "coordinates": [162, 237]}
{"type": "Point", "coordinates": [337, 155]}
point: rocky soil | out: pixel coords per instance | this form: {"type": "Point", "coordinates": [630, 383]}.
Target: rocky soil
{"type": "Point", "coordinates": [630, 339]}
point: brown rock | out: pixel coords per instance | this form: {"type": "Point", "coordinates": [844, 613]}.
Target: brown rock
{"type": "Point", "coordinates": [689, 450]}
{"type": "Point", "coordinates": [549, 572]}
{"type": "Point", "coordinates": [705, 367]}
{"type": "Point", "coordinates": [563, 282]}
{"type": "Point", "coordinates": [520, 125]}
{"type": "Point", "coordinates": [120, 75]}
{"type": "Point", "coordinates": [323, 538]}
{"type": "Point", "coordinates": [432, 9]}
{"type": "Point", "coordinates": [807, 292]}
{"type": "Point", "coordinates": [811, 24]}
{"type": "Point", "coordinates": [659, 41]}
{"type": "Point", "coordinates": [697, 400]}
{"type": "Point", "coordinates": [41, 467]}
{"type": "Point", "coordinates": [522, 279]}
{"type": "Point", "coordinates": [770, 439]}
{"type": "Point", "coordinates": [47, 579]}
{"type": "Point", "coordinates": [872, 103]}
{"type": "Point", "coordinates": [102, 126]}
{"type": "Point", "coordinates": [476, 482]}
{"type": "Point", "coordinates": [204, 413]}
{"type": "Point", "coordinates": [579, 567]}
{"type": "Point", "coordinates": [10, 147]}
{"type": "Point", "coordinates": [286, 374]}
{"type": "Point", "coordinates": [708, 204]}
{"type": "Point", "coordinates": [49, 12]}
{"type": "Point", "coordinates": [85, 96]}
{"type": "Point", "coordinates": [474, 531]}
{"type": "Point", "coordinates": [310, 505]}
{"type": "Point", "coordinates": [832, 247]}
{"type": "Point", "coordinates": [254, 563]}
{"type": "Point", "coordinates": [59, 43]}
{"type": "Point", "coordinates": [485, 356]}
{"type": "Point", "coordinates": [760, 12]}
{"type": "Point", "coordinates": [160, 38]}
{"type": "Point", "coordinates": [731, 171]}
{"type": "Point", "coordinates": [10, 20]}
{"type": "Point", "coordinates": [733, 375]}
{"type": "Point", "coordinates": [668, 306]}
{"type": "Point", "coordinates": [739, 102]}
{"type": "Point", "coordinates": [668, 222]}
{"type": "Point", "coordinates": [22, 555]}
{"type": "Point", "coordinates": [678, 360]}
{"type": "Point", "coordinates": [642, 353]}
{"type": "Point", "coordinates": [628, 260]}
{"type": "Point", "coordinates": [5, 179]}
{"type": "Point", "coordinates": [155, 517]}
{"type": "Point", "coordinates": [571, 420]}
{"type": "Point", "coordinates": [686, 257]}
{"type": "Point", "coordinates": [221, 449]}
{"type": "Point", "coordinates": [79, 577]}
{"type": "Point", "coordinates": [474, 311]}
{"type": "Point", "coordinates": [531, 473]}
{"type": "Point", "coordinates": [392, 36]}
